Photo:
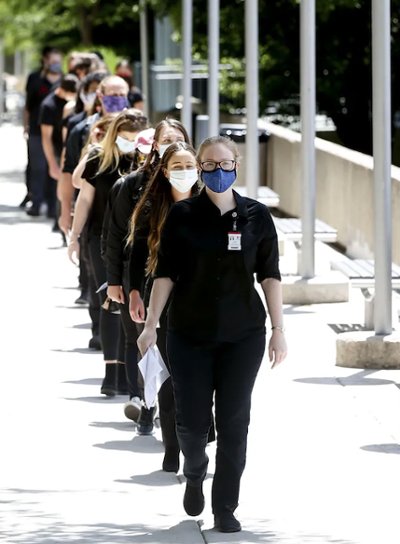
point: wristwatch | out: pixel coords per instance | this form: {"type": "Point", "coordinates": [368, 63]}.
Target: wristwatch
{"type": "Point", "coordinates": [282, 329]}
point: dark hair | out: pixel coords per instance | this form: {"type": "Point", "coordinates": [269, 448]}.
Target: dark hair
{"type": "Point", "coordinates": [98, 54]}
{"type": "Point", "coordinates": [155, 204]}
{"type": "Point", "coordinates": [153, 158]}
{"type": "Point", "coordinates": [47, 49]}
{"type": "Point", "coordinates": [69, 83]}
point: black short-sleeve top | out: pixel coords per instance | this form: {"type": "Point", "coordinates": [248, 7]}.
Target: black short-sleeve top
{"type": "Point", "coordinates": [102, 183]}
{"type": "Point", "coordinates": [214, 297]}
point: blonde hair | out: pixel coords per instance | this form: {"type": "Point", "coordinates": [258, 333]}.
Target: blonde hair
{"type": "Point", "coordinates": [131, 120]}
{"type": "Point", "coordinates": [223, 140]}
{"type": "Point", "coordinates": [155, 204]}
{"type": "Point", "coordinates": [102, 124]}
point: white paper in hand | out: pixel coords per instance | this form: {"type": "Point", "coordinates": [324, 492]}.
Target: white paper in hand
{"type": "Point", "coordinates": [154, 374]}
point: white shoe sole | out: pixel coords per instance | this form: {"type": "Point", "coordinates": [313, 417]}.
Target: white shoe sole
{"type": "Point", "coordinates": [132, 412]}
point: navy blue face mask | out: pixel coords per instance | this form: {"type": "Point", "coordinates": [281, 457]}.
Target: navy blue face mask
{"type": "Point", "coordinates": [218, 181]}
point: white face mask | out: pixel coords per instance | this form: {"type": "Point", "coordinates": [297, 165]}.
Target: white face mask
{"type": "Point", "coordinates": [125, 146]}
{"type": "Point", "coordinates": [163, 149]}
{"type": "Point", "coordinates": [183, 180]}
{"type": "Point", "coordinates": [88, 98]}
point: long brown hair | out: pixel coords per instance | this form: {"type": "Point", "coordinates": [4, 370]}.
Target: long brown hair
{"type": "Point", "coordinates": [131, 120]}
{"type": "Point", "coordinates": [156, 203]}
{"type": "Point", "coordinates": [153, 158]}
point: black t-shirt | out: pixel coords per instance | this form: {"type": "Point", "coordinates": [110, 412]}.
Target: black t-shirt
{"type": "Point", "coordinates": [37, 88]}
{"type": "Point", "coordinates": [214, 298]}
{"type": "Point", "coordinates": [51, 113]}
{"type": "Point", "coordinates": [102, 183]}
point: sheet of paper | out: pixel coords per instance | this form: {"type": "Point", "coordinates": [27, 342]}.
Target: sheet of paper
{"type": "Point", "coordinates": [102, 287]}
{"type": "Point", "coordinates": [154, 374]}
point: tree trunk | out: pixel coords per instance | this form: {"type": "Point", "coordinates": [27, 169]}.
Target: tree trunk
{"type": "Point", "coordinates": [86, 26]}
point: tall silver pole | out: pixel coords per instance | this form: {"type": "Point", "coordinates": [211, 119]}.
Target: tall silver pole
{"type": "Point", "coordinates": [308, 109]}
{"type": "Point", "coordinates": [2, 95]}
{"type": "Point", "coordinates": [18, 63]}
{"type": "Point", "coordinates": [187, 35]}
{"type": "Point", "coordinates": [252, 145]}
{"type": "Point", "coordinates": [213, 67]}
{"type": "Point", "coordinates": [382, 165]}
{"type": "Point", "coordinates": [144, 56]}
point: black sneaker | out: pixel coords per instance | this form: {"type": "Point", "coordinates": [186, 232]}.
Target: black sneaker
{"type": "Point", "coordinates": [109, 385]}
{"type": "Point", "coordinates": [146, 421]}
{"type": "Point", "coordinates": [82, 299]}
{"type": "Point", "coordinates": [94, 342]}
{"type": "Point", "coordinates": [121, 380]}
{"type": "Point", "coordinates": [225, 522]}
{"type": "Point", "coordinates": [33, 212]}
{"type": "Point", "coordinates": [171, 459]}
{"type": "Point", "coordinates": [193, 500]}
{"type": "Point", "coordinates": [26, 201]}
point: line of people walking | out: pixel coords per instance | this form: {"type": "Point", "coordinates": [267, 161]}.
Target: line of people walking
{"type": "Point", "coordinates": [167, 252]}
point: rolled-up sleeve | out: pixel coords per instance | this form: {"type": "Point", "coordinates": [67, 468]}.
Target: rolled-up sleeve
{"type": "Point", "coordinates": [167, 265]}
{"type": "Point", "coordinates": [267, 260]}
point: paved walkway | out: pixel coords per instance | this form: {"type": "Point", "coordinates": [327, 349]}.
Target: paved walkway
{"type": "Point", "coordinates": [323, 461]}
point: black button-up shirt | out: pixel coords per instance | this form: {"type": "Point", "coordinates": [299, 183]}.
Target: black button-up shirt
{"type": "Point", "coordinates": [214, 297]}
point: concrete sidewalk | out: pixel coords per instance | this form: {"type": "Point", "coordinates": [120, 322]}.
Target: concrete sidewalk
{"type": "Point", "coordinates": [323, 455]}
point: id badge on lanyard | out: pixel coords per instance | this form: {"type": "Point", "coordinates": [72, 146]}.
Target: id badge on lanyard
{"type": "Point", "coordinates": [234, 237]}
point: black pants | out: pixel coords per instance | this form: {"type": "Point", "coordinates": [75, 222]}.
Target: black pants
{"type": "Point", "coordinates": [166, 399]}
{"type": "Point", "coordinates": [94, 303]}
{"type": "Point", "coordinates": [131, 349]}
{"type": "Point", "coordinates": [38, 176]}
{"type": "Point", "coordinates": [109, 323]}
{"type": "Point", "coordinates": [198, 371]}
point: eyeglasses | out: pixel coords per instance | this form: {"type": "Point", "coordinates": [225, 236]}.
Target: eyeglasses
{"type": "Point", "coordinates": [211, 166]}
{"type": "Point", "coordinates": [134, 118]}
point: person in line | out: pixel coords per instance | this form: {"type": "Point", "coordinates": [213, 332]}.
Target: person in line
{"type": "Point", "coordinates": [50, 119]}
{"type": "Point", "coordinates": [143, 143]}
{"type": "Point", "coordinates": [132, 188]}
{"type": "Point", "coordinates": [105, 164]}
{"type": "Point", "coordinates": [175, 179]}
{"type": "Point", "coordinates": [31, 84]}
{"type": "Point", "coordinates": [112, 94]}
{"type": "Point", "coordinates": [135, 96]}
{"type": "Point", "coordinates": [38, 87]}
{"type": "Point", "coordinates": [211, 247]}
{"type": "Point", "coordinates": [115, 89]}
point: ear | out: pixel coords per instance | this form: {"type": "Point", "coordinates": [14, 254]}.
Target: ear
{"type": "Point", "coordinates": [165, 172]}
{"type": "Point", "coordinates": [237, 166]}
{"type": "Point", "coordinates": [155, 146]}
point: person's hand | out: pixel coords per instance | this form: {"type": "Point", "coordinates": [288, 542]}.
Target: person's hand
{"type": "Point", "coordinates": [73, 247]}
{"type": "Point", "coordinates": [55, 171]}
{"type": "Point", "coordinates": [65, 222]}
{"type": "Point", "coordinates": [116, 293]}
{"type": "Point", "coordinates": [277, 348]}
{"type": "Point", "coordinates": [146, 340]}
{"type": "Point", "coordinates": [136, 307]}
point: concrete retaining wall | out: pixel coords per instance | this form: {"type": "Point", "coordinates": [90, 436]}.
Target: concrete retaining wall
{"type": "Point", "coordinates": [344, 189]}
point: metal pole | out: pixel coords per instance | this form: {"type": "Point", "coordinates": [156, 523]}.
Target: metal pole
{"type": "Point", "coordinates": [2, 94]}
{"type": "Point", "coordinates": [308, 108]}
{"type": "Point", "coordinates": [213, 67]}
{"type": "Point", "coordinates": [187, 40]}
{"type": "Point", "coordinates": [252, 145]}
{"type": "Point", "coordinates": [144, 56]}
{"type": "Point", "coordinates": [18, 63]}
{"type": "Point", "coordinates": [382, 165]}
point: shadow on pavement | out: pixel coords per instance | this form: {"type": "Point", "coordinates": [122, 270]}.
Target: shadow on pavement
{"type": "Point", "coordinates": [100, 400]}
{"type": "Point", "coordinates": [383, 448]}
{"type": "Point", "coordinates": [138, 444]}
{"type": "Point", "coordinates": [82, 326]}
{"type": "Point", "coordinates": [77, 350]}
{"type": "Point", "coordinates": [158, 478]}
{"type": "Point", "coordinates": [86, 381]}
{"type": "Point", "coordinates": [294, 310]}
{"type": "Point", "coordinates": [360, 378]}
{"type": "Point", "coordinates": [128, 426]}
{"type": "Point", "coordinates": [98, 533]}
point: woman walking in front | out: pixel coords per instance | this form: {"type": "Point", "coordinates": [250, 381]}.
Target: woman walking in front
{"type": "Point", "coordinates": [211, 247]}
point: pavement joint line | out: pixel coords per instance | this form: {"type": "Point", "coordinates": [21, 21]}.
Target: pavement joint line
{"type": "Point", "coordinates": [200, 526]}
{"type": "Point", "coordinates": [368, 410]}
